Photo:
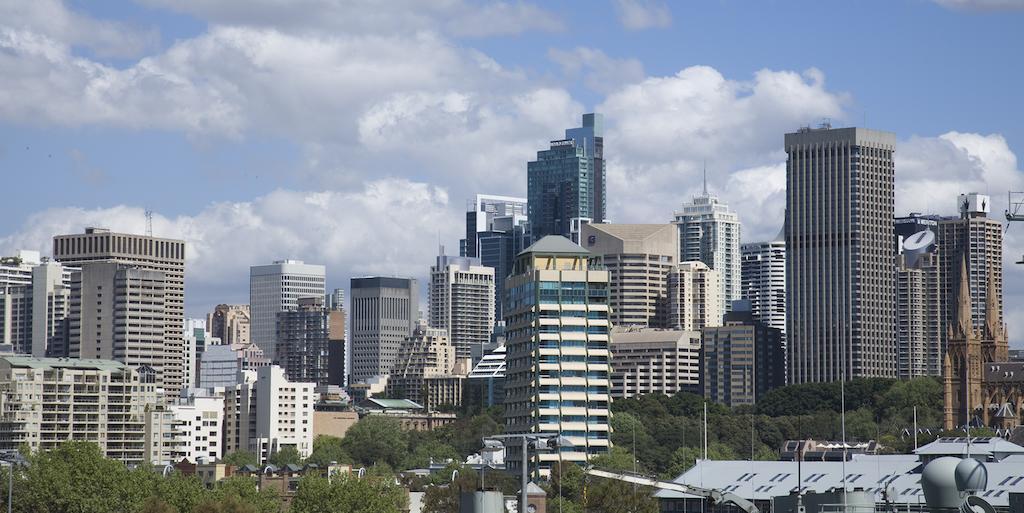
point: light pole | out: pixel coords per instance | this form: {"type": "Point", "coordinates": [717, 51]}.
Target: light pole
{"type": "Point", "coordinates": [538, 442]}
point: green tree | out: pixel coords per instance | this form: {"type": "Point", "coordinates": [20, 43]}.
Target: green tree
{"type": "Point", "coordinates": [240, 458]}
{"type": "Point", "coordinates": [327, 449]}
{"type": "Point", "coordinates": [349, 494]}
{"type": "Point", "coordinates": [376, 438]}
{"type": "Point", "coordinates": [156, 505]}
{"type": "Point", "coordinates": [287, 455]}
{"type": "Point", "coordinates": [424, 453]}
{"type": "Point", "coordinates": [235, 490]}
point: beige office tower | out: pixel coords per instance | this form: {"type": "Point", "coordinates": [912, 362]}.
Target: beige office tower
{"type": "Point", "coordinates": [165, 256]}
{"type": "Point", "coordinates": [978, 239]}
{"type": "Point", "coordinates": [654, 361]}
{"type": "Point", "coordinates": [47, 401]}
{"type": "Point", "coordinates": [461, 298]}
{"type": "Point", "coordinates": [428, 370]}
{"type": "Point", "coordinates": [229, 323]}
{"type": "Point", "coordinates": [839, 254]}
{"type": "Point", "coordinates": [119, 312]}
{"type": "Point", "coordinates": [51, 305]}
{"type": "Point", "coordinates": [694, 297]}
{"type": "Point", "coordinates": [638, 258]}
{"type": "Point", "coordinates": [558, 360]}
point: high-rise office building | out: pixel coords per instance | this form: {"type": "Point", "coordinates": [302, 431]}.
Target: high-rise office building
{"type": "Point", "coordinates": [694, 297]}
{"type": "Point", "coordinates": [638, 258]}
{"type": "Point", "coordinates": [310, 338]}
{"type": "Point", "coordinates": [482, 215]}
{"type": "Point", "coordinates": [143, 253]}
{"type": "Point", "coordinates": [979, 239]}
{"type": "Point", "coordinates": [197, 337]}
{"type": "Point", "coordinates": [557, 360]}
{"type": "Point", "coordinates": [763, 281]}
{"type": "Point", "coordinates": [221, 365]}
{"type": "Point", "coordinates": [119, 312]}
{"type": "Point", "coordinates": [498, 248]}
{"type": "Point", "coordinates": [741, 360]}
{"type": "Point", "coordinates": [920, 333]}
{"type": "Point", "coordinates": [275, 288]}
{"type": "Point", "coordinates": [229, 323]}
{"type": "Point", "coordinates": [384, 312]}
{"type": "Point", "coordinates": [48, 401]}
{"type": "Point", "coordinates": [566, 185]}
{"type": "Point", "coordinates": [839, 254]}
{"type": "Point", "coordinates": [428, 370]}
{"type": "Point", "coordinates": [709, 232]}
{"type": "Point", "coordinates": [461, 297]}
{"type": "Point", "coordinates": [485, 384]}
{"type": "Point", "coordinates": [16, 300]}
{"type": "Point", "coordinates": [654, 361]}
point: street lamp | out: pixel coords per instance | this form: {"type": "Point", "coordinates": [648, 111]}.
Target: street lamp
{"type": "Point", "coordinates": [538, 443]}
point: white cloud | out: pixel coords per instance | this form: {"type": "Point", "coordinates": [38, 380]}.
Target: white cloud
{"type": "Point", "coordinates": [643, 14]}
{"type": "Point", "coordinates": [662, 130]}
{"type": "Point", "coordinates": [455, 17]}
{"type": "Point", "coordinates": [601, 73]}
{"type": "Point", "coordinates": [383, 228]}
{"type": "Point", "coordinates": [983, 5]}
{"type": "Point", "coordinates": [54, 20]}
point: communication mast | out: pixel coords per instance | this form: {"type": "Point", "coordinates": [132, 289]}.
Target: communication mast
{"type": "Point", "coordinates": [149, 223]}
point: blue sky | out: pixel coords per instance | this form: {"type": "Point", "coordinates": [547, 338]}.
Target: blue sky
{"type": "Point", "coordinates": [351, 133]}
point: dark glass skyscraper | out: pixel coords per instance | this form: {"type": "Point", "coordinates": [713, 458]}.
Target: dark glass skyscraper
{"type": "Point", "coordinates": [566, 184]}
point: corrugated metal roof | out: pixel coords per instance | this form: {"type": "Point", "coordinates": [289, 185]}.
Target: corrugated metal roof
{"type": "Point", "coordinates": [64, 363]}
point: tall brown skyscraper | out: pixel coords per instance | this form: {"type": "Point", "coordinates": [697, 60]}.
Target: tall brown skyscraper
{"type": "Point", "coordinates": [839, 270]}
{"type": "Point", "coordinates": [141, 253]}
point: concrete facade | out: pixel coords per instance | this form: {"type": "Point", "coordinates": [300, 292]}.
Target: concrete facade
{"type": "Point", "coordinates": [654, 361]}
{"type": "Point", "coordinates": [709, 232]}
{"type": "Point", "coordinates": [275, 288]}
{"type": "Point", "coordinates": [638, 258]}
{"type": "Point", "coordinates": [461, 299]}
{"type": "Point", "coordinates": [230, 323]}
{"type": "Point", "coordinates": [384, 312]}
{"type": "Point", "coordinates": [694, 299]}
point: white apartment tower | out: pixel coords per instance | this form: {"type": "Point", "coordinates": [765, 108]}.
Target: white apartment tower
{"type": "Point", "coordinates": [461, 297]}
{"type": "Point", "coordinates": [694, 297]}
{"type": "Point", "coordinates": [266, 413]}
{"type": "Point", "coordinates": [764, 280]}
{"type": "Point", "coordinates": [143, 254]}
{"type": "Point", "coordinates": [558, 359]}
{"type": "Point", "coordinates": [276, 288]}
{"type": "Point", "coordinates": [709, 232]}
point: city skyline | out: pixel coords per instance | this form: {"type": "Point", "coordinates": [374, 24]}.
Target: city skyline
{"type": "Point", "coordinates": [235, 176]}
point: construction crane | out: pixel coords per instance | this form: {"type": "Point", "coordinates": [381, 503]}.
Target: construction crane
{"type": "Point", "coordinates": [715, 496]}
{"type": "Point", "coordinates": [1014, 210]}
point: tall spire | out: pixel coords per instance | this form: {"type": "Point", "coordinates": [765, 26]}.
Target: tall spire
{"type": "Point", "coordinates": [963, 303]}
{"type": "Point", "coordinates": [705, 177]}
{"type": "Point", "coordinates": [993, 328]}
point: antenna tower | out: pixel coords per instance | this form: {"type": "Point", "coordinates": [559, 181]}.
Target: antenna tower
{"type": "Point", "coordinates": [149, 223]}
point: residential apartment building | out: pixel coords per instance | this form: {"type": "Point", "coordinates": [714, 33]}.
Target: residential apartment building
{"type": "Point", "coordinates": [840, 255]}
{"type": "Point", "coordinates": [461, 298]}
{"type": "Point", "coordinates": [163, 256]}
{"type": "Point", "coordinates": [763, 280]}
{"type": "Point", "coordinates": [566, 185]}
{"type": "Point", "coordinates": [275, 288]}
{"type": "Point", "coordinates": [638, 258]}
{"type": "Point", "coordinates": [230, 323]}
{"type": "Point", "coordinates": [51, 305]}
{"type": "Point", "coordinates": [694, 299]}
{"type": "Point", "coordinates": [654, 361]}
{"type": "Point", "coordinates": [709, 232]}
{"type": "Point", "coordinates": [266, 413]}
{"type": "Point", "coordinates": [47, 401]}
{"type": "Point", "coordinates": [384, 312]}
{"type": "Point", "coordinates": [311, 342]}
{"type": "Point", "coordinates": [190, 428]}
{"type": "Point", "coordinates": [34, 301]}
{"type": "Point", "coordinates": [741, 360]}
{"type": "Point", "coordinates": [428, 370]}
{"type": "Point", "coordinates": [557, 361]}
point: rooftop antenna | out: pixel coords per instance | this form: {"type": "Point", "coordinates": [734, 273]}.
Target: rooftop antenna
{"type": "Point", "coordinates": [149, 223]}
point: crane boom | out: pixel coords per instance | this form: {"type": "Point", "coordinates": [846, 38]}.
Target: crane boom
{"type": "Point", "coordinates": [715, 496]}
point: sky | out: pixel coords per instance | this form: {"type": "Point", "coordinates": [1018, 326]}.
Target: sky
{"type": "Point", "coordinates": [351, 133]}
